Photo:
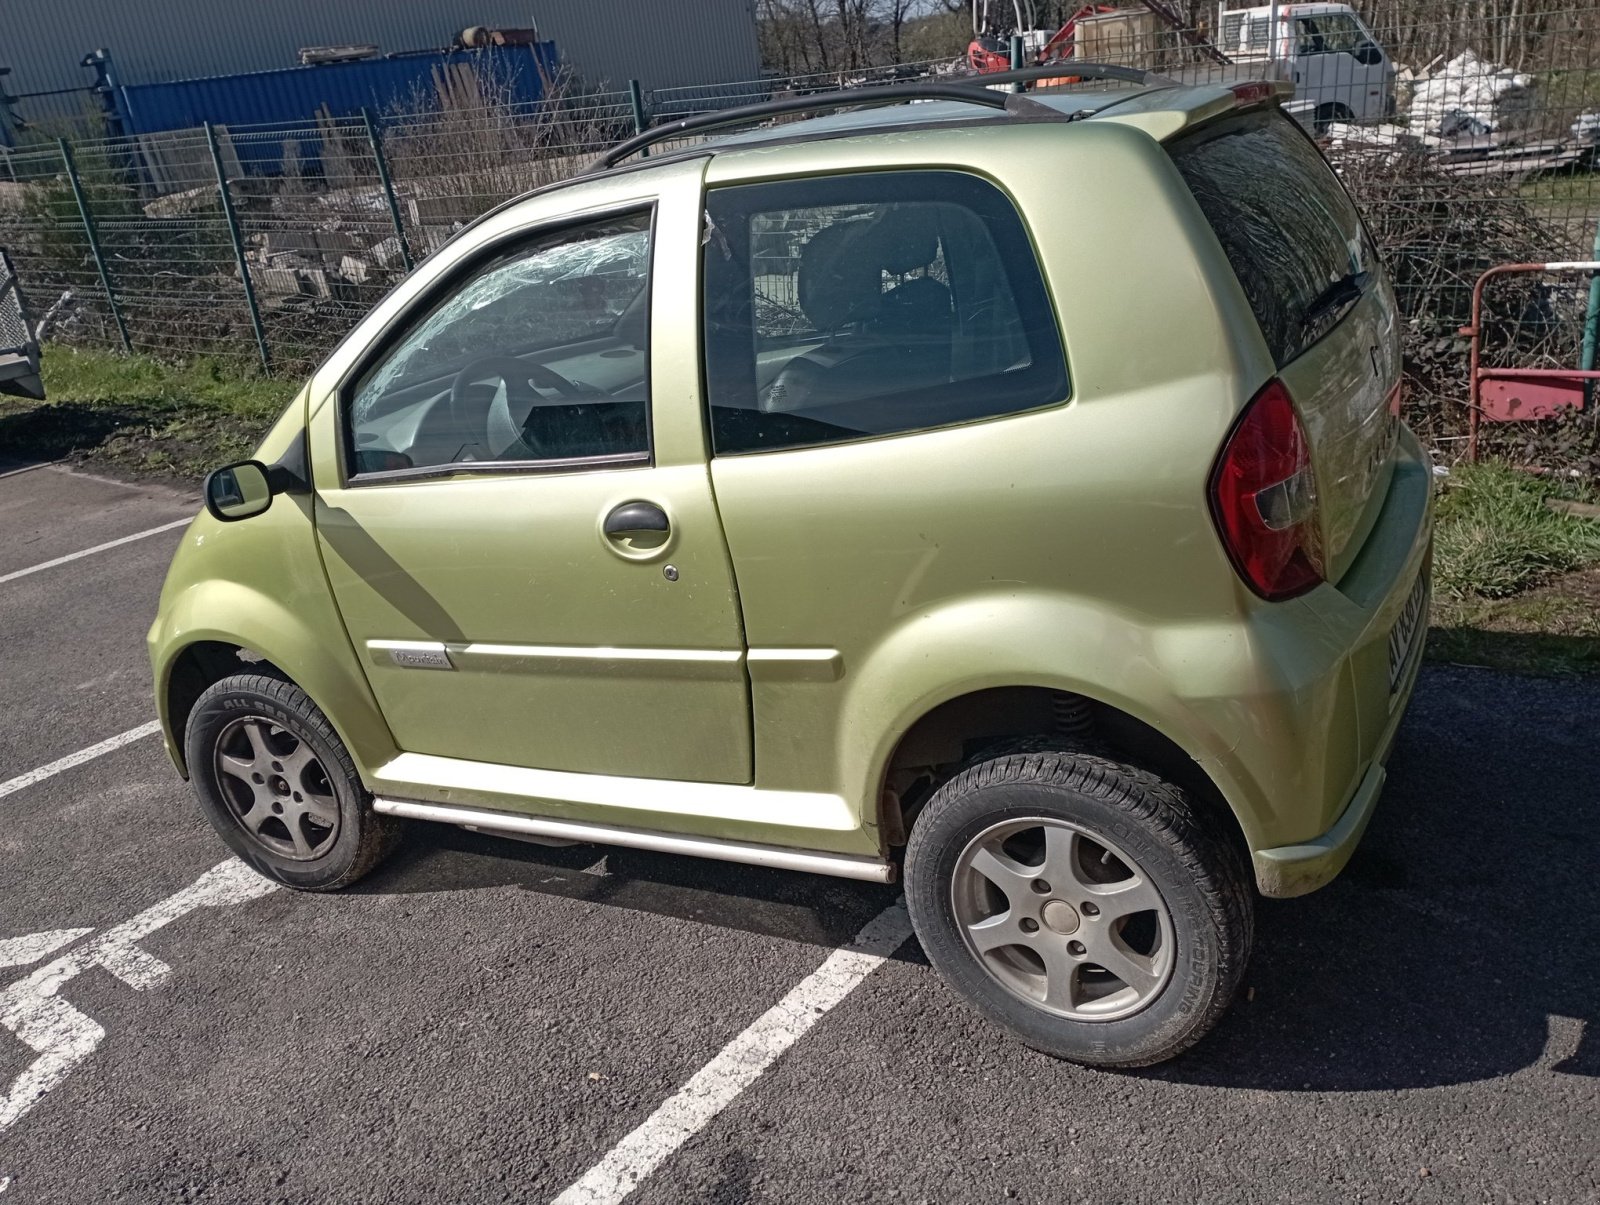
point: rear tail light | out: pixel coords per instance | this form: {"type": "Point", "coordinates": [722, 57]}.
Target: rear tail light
{"type": "Point", "coordinates": [1256, 92]}
{"type": "Point", "coordinates": [1264, 499]}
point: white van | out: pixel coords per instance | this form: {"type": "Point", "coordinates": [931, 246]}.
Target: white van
{"type": "Point", "coordinates": [1326, 50]}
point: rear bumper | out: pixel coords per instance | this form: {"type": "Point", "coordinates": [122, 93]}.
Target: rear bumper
{"type": "Point", "coordinates": [1283, 871]}
{"type": "Point", "coordinates": [1293, 711]}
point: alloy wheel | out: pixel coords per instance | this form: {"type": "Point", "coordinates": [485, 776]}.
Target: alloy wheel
{"type": "Point", "coordinates": [277, 789]}
{"type": "Point", "coordinates": [1063, 919]}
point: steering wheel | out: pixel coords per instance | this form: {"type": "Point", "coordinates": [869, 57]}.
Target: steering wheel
{"type": "Point", "coordinates": [521, 399]}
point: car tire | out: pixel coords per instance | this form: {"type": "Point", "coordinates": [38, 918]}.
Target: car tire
{"type": "Point", "coordinates": [1329, 113]}
{"type": "Point", "coordinates": [275, 781]}
{"type": "Point", "coordinates": [1022, 950]}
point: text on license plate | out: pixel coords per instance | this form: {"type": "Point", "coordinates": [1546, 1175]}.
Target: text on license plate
{"type": "Point", "coordinates": [1404, 633]}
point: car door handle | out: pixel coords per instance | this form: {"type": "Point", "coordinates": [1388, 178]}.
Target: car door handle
{"type": "Point", "coordinates": [632, 518]}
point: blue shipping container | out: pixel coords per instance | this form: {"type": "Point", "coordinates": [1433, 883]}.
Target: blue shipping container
{"type": "Point", "coordinates": [300, 94]}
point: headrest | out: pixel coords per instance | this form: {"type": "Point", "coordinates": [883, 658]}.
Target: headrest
{"type": "Point", "coordinates": [837, 284]}
{"type": "Point", "coordinates": [842, 266]}
{"type": "Point", "coordinates": [905, 238]}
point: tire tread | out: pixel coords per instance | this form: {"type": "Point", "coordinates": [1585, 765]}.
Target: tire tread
{"type": "Point", "coordinates": [1164, 811]}
{"type": "Point", "coordinates": [377, 834]}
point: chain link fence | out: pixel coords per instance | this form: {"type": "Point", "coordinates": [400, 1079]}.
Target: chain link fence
{"type": "Point", "coordinates": [262, 246]}
{"type": "Point", "coordinates": [1469, 137]}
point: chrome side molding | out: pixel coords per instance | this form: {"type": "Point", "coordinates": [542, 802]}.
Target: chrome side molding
{"type": "Point", "coordinates": [869, 870]}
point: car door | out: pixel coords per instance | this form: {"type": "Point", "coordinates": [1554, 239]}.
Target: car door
{"type": "Point", "coordinates": [528, 581]}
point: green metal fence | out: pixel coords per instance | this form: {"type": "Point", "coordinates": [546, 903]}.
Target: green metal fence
{"type": "Point", "coordinates": [180, 245]}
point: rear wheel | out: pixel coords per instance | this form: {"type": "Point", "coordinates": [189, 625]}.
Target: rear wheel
{"type": "Point", "coordinates": [280, 788]}
{"type": "Point", "coordinates": [1081, 905]}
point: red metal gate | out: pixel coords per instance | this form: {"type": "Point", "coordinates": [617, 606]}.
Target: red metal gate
{"type": "Point", "coordinates": [1511, 394]}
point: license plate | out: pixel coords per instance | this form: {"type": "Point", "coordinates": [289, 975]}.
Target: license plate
{"type": "Point", "coordinates": [1404, 634]}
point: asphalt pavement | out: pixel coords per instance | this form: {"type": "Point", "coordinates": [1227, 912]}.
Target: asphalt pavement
{"type": "Point", "coordinates": [485, 1020]}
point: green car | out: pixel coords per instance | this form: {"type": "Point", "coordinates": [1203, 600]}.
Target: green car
{"type": "Point", "coordinates": [1002, 492]}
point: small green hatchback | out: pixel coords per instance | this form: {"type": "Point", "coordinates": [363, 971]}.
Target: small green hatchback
{"type": "Point", "coordinates": [1002, 491]}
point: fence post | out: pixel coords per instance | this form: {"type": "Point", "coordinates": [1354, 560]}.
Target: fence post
{"type": "Point", "coordinates": [1016, 58]}
{"type": "Point", "coordinates": [388, 187]}
{"type": "Point", "coordinates": [238, 248]}
{"type": "Point", "coordinates": [636, 103]}
{"type": "Point", "coordinates": [94, 243]}
{"type": "Point", "coordinates": [1591, 333]}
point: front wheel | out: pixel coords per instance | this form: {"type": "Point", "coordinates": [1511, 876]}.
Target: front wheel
{"type": "Point", "coordinates": [278, 785]}
{"type": "Point", "coordinates": [1081, 905]}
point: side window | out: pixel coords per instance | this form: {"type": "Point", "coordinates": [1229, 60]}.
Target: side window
{"type": "Point", "coordinates": [1329, 33]}
{"type": "Point", "coordinates": [855, 306]}
{"type": "Point", "coordinates": [537, 355]}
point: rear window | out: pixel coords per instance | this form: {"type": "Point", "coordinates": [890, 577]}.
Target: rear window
{"type": "Point", "coordinates": [1287, 225]}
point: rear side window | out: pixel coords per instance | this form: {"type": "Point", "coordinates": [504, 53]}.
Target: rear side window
{"type": "Point", "coordinates": [1287, 225]}
{"type": "Point", "coordinates": [854, 306]}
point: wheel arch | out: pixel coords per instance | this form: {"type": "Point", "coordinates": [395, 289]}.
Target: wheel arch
{"type": "Point", "coordinates": [223, 628]}
{"type": "Point", "coordinates": [947, 734]}
{"type": "Point", "coordinates": [1141, 679]}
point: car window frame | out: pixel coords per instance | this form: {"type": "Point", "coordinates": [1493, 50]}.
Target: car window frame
{"type": "Point", "coordinates": [1046, 291]}
{"type": "Point", "coordinates": [404, 322]}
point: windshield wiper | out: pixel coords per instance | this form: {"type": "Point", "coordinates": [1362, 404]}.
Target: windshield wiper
{"type": "Point", "coordinates": [1344, 292]}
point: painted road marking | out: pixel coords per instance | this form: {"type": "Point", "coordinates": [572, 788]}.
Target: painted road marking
{"type": "Point", "coordinates": [21, 951]}
{"type": "Point", "coordinates": [28, 468]}
{"type": "Point", "coordinates": [77, 759]}
{"type": "Point", "coordinates": [72, 556]}
{"type": "Point", "coordinates": [60, 1035]}
{"type": "Point", "coordinates": [739, 1064]}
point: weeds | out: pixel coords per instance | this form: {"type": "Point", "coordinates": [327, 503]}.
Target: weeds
{"type": "Point", "coordinates": [1496, 537]}
{"type": "Point", "coordinates": [101, 377]}
{"type": "Point", "coordinates": [141, 415]}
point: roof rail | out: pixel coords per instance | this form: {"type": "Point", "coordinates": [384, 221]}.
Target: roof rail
{"type": "Point", "coordinates": [972, 89]}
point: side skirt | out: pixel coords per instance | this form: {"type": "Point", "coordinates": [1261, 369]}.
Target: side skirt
{"type": "Point", "coordinates": [871, 870]}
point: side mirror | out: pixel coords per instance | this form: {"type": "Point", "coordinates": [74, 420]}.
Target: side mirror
{"type": "Point", "coordinates": [1368, 54]}
{"type": "Point", "coordinates": [238, 491]}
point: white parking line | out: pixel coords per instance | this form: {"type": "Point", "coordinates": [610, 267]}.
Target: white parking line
{"type": "Point", "coordinates": [72, 556]}
{"type": "Point", "coordinates": [77, 759]}
{"type": "Point", "coordinates": [28, 468]}
{"type": "Point", "coordinates": [20, 951]}
{"type": "Point", "coordinates": [739, 1064]}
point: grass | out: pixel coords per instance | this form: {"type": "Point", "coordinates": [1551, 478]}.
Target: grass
{"type": "Point", "coordinates": [140, 415]}
{"type": "Point", "coordinates": [1496, 537]}
{"type": "Point", "coordinates": [1517, 585]}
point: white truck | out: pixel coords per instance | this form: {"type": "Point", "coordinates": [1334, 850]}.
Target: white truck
{"type": "Point", "coordinates": [1339, 70]}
